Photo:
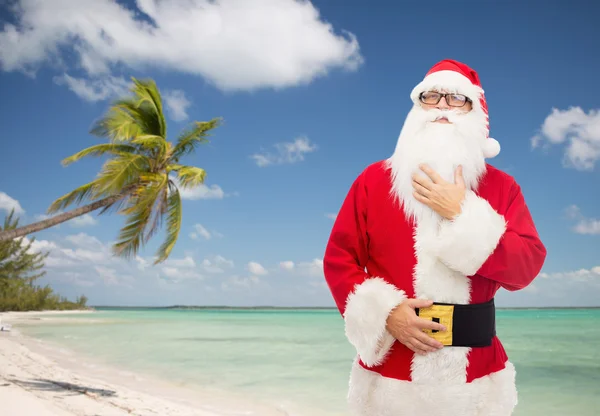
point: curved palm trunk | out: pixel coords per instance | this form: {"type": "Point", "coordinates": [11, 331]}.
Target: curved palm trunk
{"type": "Point", "coordinates": [57, 219]}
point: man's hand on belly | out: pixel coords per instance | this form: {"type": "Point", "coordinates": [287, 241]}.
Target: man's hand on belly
{"type": "Point", "coordinates": [404, 325]}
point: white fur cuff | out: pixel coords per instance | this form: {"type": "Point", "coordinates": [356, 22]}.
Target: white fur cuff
{"type": "Point", "coordinates": [466, 242]}
{"type": "Point", "coordinates": [367, 309]}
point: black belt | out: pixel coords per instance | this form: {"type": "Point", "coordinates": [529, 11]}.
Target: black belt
{"type": "Point", "coordinates": [466, 325]}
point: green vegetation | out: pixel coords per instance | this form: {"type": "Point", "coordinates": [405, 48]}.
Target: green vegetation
{"type": "Point", "coordinates": [136, 179]}
{"type": "Point", "coordinates": [20, 267]}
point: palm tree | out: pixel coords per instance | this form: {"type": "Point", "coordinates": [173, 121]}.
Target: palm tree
{"type": "Point", "coordinates": [142, 176]}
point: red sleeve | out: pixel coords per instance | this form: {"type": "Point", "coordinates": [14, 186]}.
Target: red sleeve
{"type": "Point", "coordinates": [504, 248]}
{"type": "Point", "coordinates": [364, 301]}
{"type": "Point", "coordinates": [520, 254]}
{"type": "Point", "coordinates": [346, 254]}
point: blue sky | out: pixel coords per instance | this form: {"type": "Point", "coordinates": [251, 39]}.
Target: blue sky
{"type": "Point", "coordinates": [310, 95]}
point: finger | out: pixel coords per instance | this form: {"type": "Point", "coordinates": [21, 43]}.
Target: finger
{"type": "Point", "coordinates": [411, 346]}
{"type": "Point", "coordinates": [427, 324]}
{"type": "Point", "coordinates": [421, 347]}
{"type": "Point", "coordinates": [458, 176]}
{"type": "Point", "coordinates": [419, 303]}
{"type": "Point", "coordinates": [432, 343]}
{"type": "Point", "coordinates": [422, 198]}
{"type": "Point", "coordinates": [435, 177]}
{"type": "Point", "coordinates": [423, 181]}
{"type": "Point", "coordinates": [421, 189]}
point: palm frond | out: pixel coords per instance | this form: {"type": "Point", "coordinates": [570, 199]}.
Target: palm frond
{"type": "Point", "coordinates": [121, 171]}
{"type": "Point", "coordinates": [145, 209]}
{"type": "Point", "coordinates": [193, 136]}
{"type": "Point", "coordinates": [158, 213]}
{"type": "Point", "coordinates": [99, 150]}
{"type": "Point", "coordinates": [144, 203]}
{"type": "Point", "coordinates": [131, 236]}
{"type": "Point", "coordinates": [173, 224]}
{"type": "Point", "coordinates": [146, 91]}
{"type": "Point", "coordinates": [132, 116]}
{"type": "Point", "coordinates": [76, 196]}
{"type": "Point", "coordinates": [146, 192]}
{"type": "Point", "coordinates": [173, 167]}
{"type": "Point", "coordinates": [117, 205]}
{"type": "Point", "coordinates": [122, 122]}
{"type": "Point", "coordinates": [190, 176]}
{"type": "Point", "coordinates": [152, 143]}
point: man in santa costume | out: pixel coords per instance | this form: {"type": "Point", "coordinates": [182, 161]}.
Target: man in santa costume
{"type": "Point", "coordinates": [421, 244]}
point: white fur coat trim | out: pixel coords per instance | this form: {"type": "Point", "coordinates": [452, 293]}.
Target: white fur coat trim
{"type": "Point", "coordinates": [466, 242]}
{"type": "Point", "coordinates": [371, 394]}
{"type": "Point", "coordinates": [365, 316]}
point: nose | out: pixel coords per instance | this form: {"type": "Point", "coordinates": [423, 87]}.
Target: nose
{"type": "Point", "coordinates": [443, 104]}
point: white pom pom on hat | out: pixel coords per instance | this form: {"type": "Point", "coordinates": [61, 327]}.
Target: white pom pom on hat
{"type": "Point", "coordinates": [456, 77]}
{"type": "Point", "coordinates": [491, 148]}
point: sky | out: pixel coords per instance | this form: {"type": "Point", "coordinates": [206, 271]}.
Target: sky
{"type": "Point", "coordinates": [310, 94]}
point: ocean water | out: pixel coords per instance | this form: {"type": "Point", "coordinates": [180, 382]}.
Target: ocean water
{"type": "Point", "coordinates": [301, 359]}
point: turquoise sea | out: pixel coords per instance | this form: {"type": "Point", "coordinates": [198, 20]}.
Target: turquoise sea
{"type": "Point", "coordinates": [301, 357]}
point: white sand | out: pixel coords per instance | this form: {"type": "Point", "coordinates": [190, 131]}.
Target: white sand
{"type": "Point", "coordinates": [35, 382]}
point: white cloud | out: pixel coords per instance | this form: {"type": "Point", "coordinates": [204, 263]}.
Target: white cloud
{"type": "Point", "coordinates": [142, 263]}
{"type": "Point", "coordinates": [8, 204]}
{"type": "Point", "coordinates": [85, 220]}
{"type": "Point", "coordinates": [578, 131]}
{"type": "Point", "coordinates": [331, 216]}
{"type": "Point", "coordinates": [287, 152]}
{"type": "Point", "coordinates": [287, 265]}
{"type": "Point", "coordinates": [216, 264]}
{"type": "Point", "coordinates": [580, 275]}
{"type": "Point", "coordinates": [74, 278]}
{"type": "Point", "coordinates": [86, 255]}
{"type": "Point", "coordinates": [234, 45]}
{"type": "Point", "coordinates": [106, 87]}
{"type": "Point", "coordinates": [177, 104]}
{"type": "Point", "coordinates": [85, 250]}
{"type": "Point", "coordinates": [588, 226]}
{"type": "Point", "coordinates": [83, 260]}
{"type": "Point", "coordinates": [109, 276]}
{"type": "Point", "coordinates": [39, 246]}
{"type": "Point", "coordinates": [176, 275]}
{"type": "Point", "coordinates": [84, 240]}
{"type": "Point", "coordinates": [202, 192]}
{"type": "Point", "coordinates": [200, 231]}
{"type": "Point", "coordinates": [244, 282]}
{"type": "Point", "coordinates": [187, 261]}
{"type": "Point", "coordinates": [177, 270]}
{"type": "Point", "coordinates": [313, 268]}
{"type": "Point", "coordinates": [584, 225]}
{"type": "Point", "coordinates": [256, 269]}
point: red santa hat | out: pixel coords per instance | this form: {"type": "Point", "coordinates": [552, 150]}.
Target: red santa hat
{"type": "Point", "coordinates": [455, 77]}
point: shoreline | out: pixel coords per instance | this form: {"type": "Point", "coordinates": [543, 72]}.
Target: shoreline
{"type": "Point", "coordinates": [43, 379]}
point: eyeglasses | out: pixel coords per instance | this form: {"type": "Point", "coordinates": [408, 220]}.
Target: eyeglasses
{"type": "Point", "coordinates": [453, 100]}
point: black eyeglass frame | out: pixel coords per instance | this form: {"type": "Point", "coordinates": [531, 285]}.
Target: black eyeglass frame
{"type": "Point", "coordinates": [467, 99]}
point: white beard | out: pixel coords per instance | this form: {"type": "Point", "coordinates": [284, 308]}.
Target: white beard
{"type": "Point", "coordinates": [441, 146]}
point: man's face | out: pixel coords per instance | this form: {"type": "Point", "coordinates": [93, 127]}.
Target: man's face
{"type": "Point", "coordinates": [452, 102]}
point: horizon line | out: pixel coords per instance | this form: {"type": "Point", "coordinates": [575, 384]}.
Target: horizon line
{"type": "Point", "coordinates": [308, 307]}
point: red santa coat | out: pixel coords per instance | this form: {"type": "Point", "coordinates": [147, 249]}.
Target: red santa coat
{"type": "Point", "coordinates": [376, 258]}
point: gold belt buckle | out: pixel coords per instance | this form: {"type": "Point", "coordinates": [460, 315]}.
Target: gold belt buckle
{"type": "Point", "coordinates": [443, 315]}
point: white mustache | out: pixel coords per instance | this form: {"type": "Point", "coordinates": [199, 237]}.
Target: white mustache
{"type": "Point", "coordinates": [435, 114]}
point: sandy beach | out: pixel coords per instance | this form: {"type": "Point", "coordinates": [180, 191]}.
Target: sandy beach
{"type": "Point", "coordinates": [36, 381]}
